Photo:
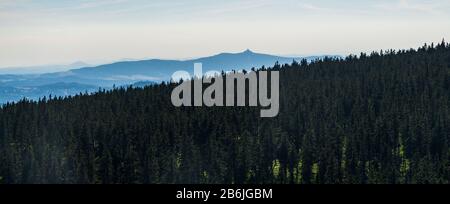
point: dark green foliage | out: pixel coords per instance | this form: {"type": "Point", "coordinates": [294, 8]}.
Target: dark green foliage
{"type": "Point", "coordinates": [379, 118]}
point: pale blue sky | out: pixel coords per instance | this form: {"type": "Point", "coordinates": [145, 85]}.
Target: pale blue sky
{"type": "Point", "coordinates": [35, 32]}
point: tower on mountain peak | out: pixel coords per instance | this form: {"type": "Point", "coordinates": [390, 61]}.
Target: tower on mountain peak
{"type": "Point", "coordinates": [248, 51]}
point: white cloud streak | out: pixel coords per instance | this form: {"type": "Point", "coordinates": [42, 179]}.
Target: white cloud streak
{"type": "Point", "coordinates": [426, 7]}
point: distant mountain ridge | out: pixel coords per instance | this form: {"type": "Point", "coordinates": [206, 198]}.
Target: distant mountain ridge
{"type": "Point", "coordinates": [161, 70]}
{"type": "Point", "coordinates": [42, 68]}
{"type": "Point", "coordinates": [127, 73]}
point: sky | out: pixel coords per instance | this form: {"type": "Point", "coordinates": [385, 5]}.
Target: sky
{"type": "Point", "coordinates": [40, 32]}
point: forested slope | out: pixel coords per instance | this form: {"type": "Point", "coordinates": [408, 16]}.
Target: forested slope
{"type": "Point", "coordinates": [378, 118]}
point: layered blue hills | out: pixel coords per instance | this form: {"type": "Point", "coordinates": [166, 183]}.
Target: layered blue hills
{"type": "Point", "coordinates": [14, 87]}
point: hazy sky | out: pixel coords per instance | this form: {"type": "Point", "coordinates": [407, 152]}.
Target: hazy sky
{"type": "Point", "coordinates": [34, 32]}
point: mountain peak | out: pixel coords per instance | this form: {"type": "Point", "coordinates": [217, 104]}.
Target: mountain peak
{"type": "Point", "coordinates": [247, 51]}
{"type": "Point", "coordinates": [78, 63]}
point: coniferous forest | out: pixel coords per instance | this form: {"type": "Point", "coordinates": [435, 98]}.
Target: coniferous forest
{"type": "Point", "coordinates": [382, 117]}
